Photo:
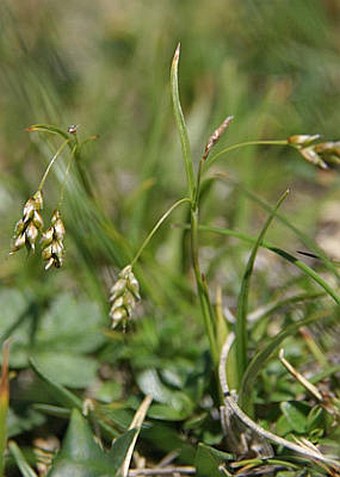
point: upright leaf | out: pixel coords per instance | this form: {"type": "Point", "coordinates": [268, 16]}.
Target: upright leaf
{"type": "Point", "coordinates": [242, 306]}
{"type": "Point", "coordinates": [180, 123]}
{"type": "Point", "coordinates": [259, 360]}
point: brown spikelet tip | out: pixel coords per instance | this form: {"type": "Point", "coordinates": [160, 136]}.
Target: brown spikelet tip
{"type": "Point", "coordinates": [216, 135]}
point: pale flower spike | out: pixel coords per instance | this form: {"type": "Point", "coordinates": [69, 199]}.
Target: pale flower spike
{"type": "Point", "coordinates": [124, 296]}
{"type": "Point", "coordinates": [29, 226]}
{"type": "Point", "coordinates": [323, 154]}
{"type": "Point", "coordinates": [52, 242]}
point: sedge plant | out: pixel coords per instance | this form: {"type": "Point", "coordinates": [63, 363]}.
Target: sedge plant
{"type": "Point", "coordinates": [125, 292]}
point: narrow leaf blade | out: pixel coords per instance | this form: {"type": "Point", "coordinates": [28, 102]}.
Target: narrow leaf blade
{"type": "Point", "coordinates": [20, 460]}
{"type": "Point", "coordinates": [180, 123]}
{"type": "Point", "coordinates": [242, 307]}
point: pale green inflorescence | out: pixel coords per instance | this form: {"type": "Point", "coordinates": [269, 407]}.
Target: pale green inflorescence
{"type": "Point", "coordinates": [322, 154]}
{"type": "Point", "coordinates": [124, 296]}
{"type": "Point", "coordinates": [29, 226]}
{"type": "Point", "coordinates": [52, 242]}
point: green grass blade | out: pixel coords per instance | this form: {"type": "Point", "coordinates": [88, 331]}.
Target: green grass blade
{"type": "Point", "coordinates": [202, 290]}
{"type": "Point", "coordinates": [270, 142]}
{"type": "Point", "coordinates": [308, 271]}
{"type": "Point", "coordinates": [180, 122]}
{"type": "Point", "coordinates": [25, 469]}
{"type": "Point", "coordinates": [242, 306]}
{"type": "Point", "coordinates": [310, 243]}
{"type": "Point", "coordinates": [260, 359]}
{"type": "Point", "coordinates": [287, 256]}
{"type": "Point", "coordinates": [272, 307]}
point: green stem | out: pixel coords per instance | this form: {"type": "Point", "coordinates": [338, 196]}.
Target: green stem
{"type": "Point", "coordinates": [157, 226]}
{"type": "Point", "coordinates": [281, 142]}
{"type": "Point", "coordinates": [85, 180]}
{"type": "Point", "coordinates": [202, 289]}
{"type": "Point", "coordinates": [20, 460]}
{"type": "Point", "coordinates": [54, 158]}
{"type": "Point", "coordinates": [193, 192]}
{"type": "Point", "coordinates": [68, 167]}
{"type": "Point", "coordinates": [197, 190]}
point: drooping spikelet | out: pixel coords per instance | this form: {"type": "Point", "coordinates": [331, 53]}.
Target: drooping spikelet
{"type": "Point", "coordinates": [29, 226]}
{"type": "Point", "coordinates": [323, 154]}
{"type": "Point", "coordinates": [124, 296]}
{"type": "Point", "coordinates": [52, 242]}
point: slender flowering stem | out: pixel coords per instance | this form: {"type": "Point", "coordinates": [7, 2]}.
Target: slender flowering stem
{"type": "Point", "coordinates": [214, 138]}
{"type": "Point", "coordinates": [68, 167]}
{"type": "Point", "coordinates": [125, 292]}
{"type": "Point", "coordinates": [203, 293]}
{"type": "Point", "coordinates": [56, 155]}
{"type": "Point", "coordinates": [195, 202]}
{"type": "Point", "coordinates": [157, 226]}
{"type": "Point", "coordinates": [282, 142]}
{"type": "Point", "coordinates": [202, 287]}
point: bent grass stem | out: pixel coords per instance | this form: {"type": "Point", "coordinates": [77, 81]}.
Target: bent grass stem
{"type": "Point", "coordinates": [280, 142]}
{"type": "Point", "coordinates": [54, 158]}
{"type": "Point", "coordinates": [157, 226]}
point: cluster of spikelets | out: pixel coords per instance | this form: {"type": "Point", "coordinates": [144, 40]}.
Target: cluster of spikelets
{"type": "Point", "coordinates": [124, 296]}
{"type": "Point", "coordinates": [323, 154]}
{"type": "Point", "coordinates": [30, 226]}
{"type": "Point", "coordinates": [29, 232]}
{"type": "Point", "coordinates": [52, 242]}
{"type": "Point", "coordinates": [27, 229]}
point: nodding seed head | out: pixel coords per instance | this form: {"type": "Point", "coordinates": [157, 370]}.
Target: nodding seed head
{"type": "Point", "coordinates": [52, 242]}
{"type": "Point", "coordinates": [313, 157]}
{"type": "Point", "coordinates": [124, 295]}
{"type": "Point", "coordinates": [303, 140]}
{"type": "Point", "coordinates": [27, 229]}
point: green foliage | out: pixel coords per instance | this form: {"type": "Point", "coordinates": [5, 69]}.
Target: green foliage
{"type": "Point", "coordinates": [80, 455]}
{"type": "Point", "coordinates": [207, 462]}
{"type": "Point", "coordinates": [105, 152]}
